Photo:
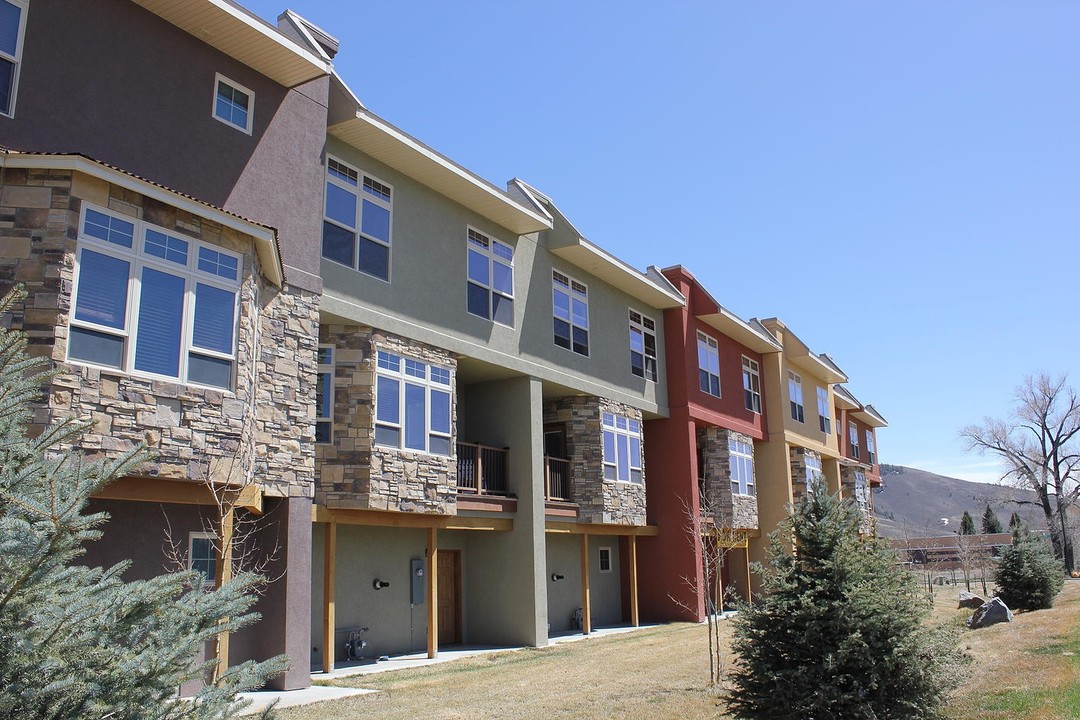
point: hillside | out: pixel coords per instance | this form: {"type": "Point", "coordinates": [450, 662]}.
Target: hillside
{"type": "Point", "coordinates": [914, 503]}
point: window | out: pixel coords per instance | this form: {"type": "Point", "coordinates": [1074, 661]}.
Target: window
{"type": "Point", "coordinates": [622, 448]}
{"type": "Point", "coordinates": [853, 435]}
{"type": "Point", "coordinates": [491, 278]}
{"type": "Point", "coordinates": [862, 491]}
{"type": "Point", "coordinates": [742, 467]}
{"type": "Point", "coordinates": [412, 404]}
{"type": "Point", "coordinates": [708, 361]}
{"type": "Point", "coordinates": [234, 104]}
{"type": "Point", "coordinates": [813, 470]}
{"type": "Point", "coordinates": [570, 306]}
{"type": "Point", "coordinates": [642, 346]}
{"type": "Point", "coordinates": [150, 301]}
{"type": "Point", "coordinates": [324, 396]}
{"type": "Point", "coordinates": [751, 382]}
{"type": "Point", "coordinates": [823, 410]}
{"type": "Point", "coordinates": [12, 27]}
{"type": "Point", "coordinates": [202, 556]}
{"type": "Point", "coordinates": [356, 222]}
{"type": "Point", "coordinates": [605, 559]}
{"type": "Point", "coordinates": [794, 386]}
{"type": "Point", "coordinates": [871, 449]}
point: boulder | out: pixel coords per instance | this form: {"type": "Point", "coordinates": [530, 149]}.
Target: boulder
{"type": "Point", "coordinates": [991, 612]}
{"type": "Point", "coordinates": [970, 600]}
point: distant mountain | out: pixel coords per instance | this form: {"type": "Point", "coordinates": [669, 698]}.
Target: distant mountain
{"type": "Point", "coordinates": [917, 503]}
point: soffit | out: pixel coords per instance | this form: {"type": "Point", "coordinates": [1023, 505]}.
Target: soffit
{"type": "Point", "coordinates": [239, 34]}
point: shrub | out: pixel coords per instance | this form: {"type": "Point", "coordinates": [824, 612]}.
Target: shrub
{"type": "Point", "coordinates": [1028, 575]}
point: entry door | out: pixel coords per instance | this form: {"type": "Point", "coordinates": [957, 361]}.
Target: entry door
{"type": "Point", "coordinates": [449, 562]}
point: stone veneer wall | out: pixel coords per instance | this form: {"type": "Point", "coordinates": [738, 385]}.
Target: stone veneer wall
{"type": "Point", "coordinates": [263, 430]}
{"type": "Point", "coordinates": [352, 471]}
{"type": "Point", "coordinates": [728, 510]}
{"type": "Point", "coordinates": [598, 500]}
{"type": "Point", "coordinates": [798, 470]}
{"type": "Point", "coordinates": [847, 481]}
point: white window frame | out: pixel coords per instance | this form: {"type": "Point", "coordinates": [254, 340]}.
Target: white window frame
{"type": "Point", "coordinates": [813, 468]}
{"type": "Point", "coordinates": [219, 80]}
{"type": "Point", "coordinates": [622, 427]}
{"type": "Point", "coordinates": [741, 462]}
{"type": "Point", "coordinates": [485, 245]}
{"type": "Point", "coordinates": [645, 327]}
{"type": "Point", "coordinates": [326, 369]}
{"type": "Point", "coordinates": [751, 372]}
{"type": "Point", "coordinates": [853, 437]}
{"type": "Point", "coordinates": [358, 192]}
{"type": "Point", "coordinates": [137, 260]}
{"type": "Point", "coordinates": [795, 396]}
{"type": "Point", "coordinates": [559, 281]}
{"type": "Point", "coordinates": [824, 421]}
{"type": "Point", "coordinates": [711, 347]}
{"type": "Point", "coordinates": [862, 491]}
{"type": "Point", "coordinates": [605, 553]}
{"type": "Point", "coordinates": [208, 580]}
{"type": "Point", "coordinates": [16, 59]}
{"type": "Point", "coordinates": [429, 384]}
{"type": "Point", "coordinates": [871, 448]}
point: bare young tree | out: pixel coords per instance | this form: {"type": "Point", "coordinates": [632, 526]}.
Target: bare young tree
{"type": "Point", "coordinates": [1039, 445]}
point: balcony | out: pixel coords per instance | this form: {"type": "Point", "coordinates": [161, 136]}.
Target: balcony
{"type": "Point", "coordinates": [482, 470]}
{"type": "Point", "coordinates": [556, 479]}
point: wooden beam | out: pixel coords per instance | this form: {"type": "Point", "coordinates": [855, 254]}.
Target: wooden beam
{"type": "Point", "coordinates": [391, 518]}
{"type": "Point", "coordinates": [181, 492]}
{"type": "Point", "coordinates": [433, 593]}
{"type": "Point", "coordinates": [329, 600]}
{"type": "Point", "coordinates": [634, 619]}
{"type": "Point", "coordinates": [586, 607]}
{"type": "Point", "coordinates": [572, 528]}
{"type": "Point", "coordinates": [224, 575]}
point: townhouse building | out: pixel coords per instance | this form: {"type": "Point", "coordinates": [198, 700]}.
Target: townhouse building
{"type": "Point", "coordinates": [173, 277]}
{"type": "Point", "coordinates": [856, 437]}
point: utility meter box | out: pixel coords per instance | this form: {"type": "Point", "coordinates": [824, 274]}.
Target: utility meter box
{"type": "Point", "coordinates": [417, 581]}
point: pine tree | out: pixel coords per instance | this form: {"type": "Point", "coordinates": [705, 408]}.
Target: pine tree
{"type": "Point", "coordinates": [80, 642]}
{"type": "Point", "coordinates": [967, 525]}
{"type": "Point", "coordinates": [838, 633]}
{"type": "Point", "coordinates": [1015, 523]}
{"type": "Point", "coordinates": [1028, 575]}
{"type": "Point", "coordinates": [990, 522]}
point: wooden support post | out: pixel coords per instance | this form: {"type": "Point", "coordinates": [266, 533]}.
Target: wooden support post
{"type": "Point", "coordinates": [634, 619]}
{"type": "Point", "coordinates": [749, 594]}
{"type": "Point", "coordinates": [586, 608]}
{"type": "Point", "coordinates": [479, 469]}
{"type": "Point", "coordinates": [433, 594]}
{"type": "Point", "coordinates": [224, 575]}
{"type": "Point", "coordinates": [329, 608]}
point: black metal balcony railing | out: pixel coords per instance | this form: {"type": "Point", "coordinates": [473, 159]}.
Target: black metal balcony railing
{"type": "Point", "coordinates": [482, 470]}
{"type": "Point", "coordinates": [556, 479]}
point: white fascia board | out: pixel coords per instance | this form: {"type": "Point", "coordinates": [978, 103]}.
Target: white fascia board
{"type": "Point", "coordinates": [265, 237]}
{"type": "Point", "coordinates": [273, 34]}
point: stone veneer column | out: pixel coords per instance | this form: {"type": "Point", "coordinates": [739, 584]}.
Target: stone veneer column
{"type": "Point", "coordinates": [729, 510]}
{"type": "Point", "coordinates": [798, 470]}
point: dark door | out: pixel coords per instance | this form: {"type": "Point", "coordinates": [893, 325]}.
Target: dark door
{"type": "Point", "coordinates": [449, 562]}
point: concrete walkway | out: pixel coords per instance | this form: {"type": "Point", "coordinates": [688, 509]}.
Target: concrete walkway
{"type": "Point", "coordinates": [318, 693]}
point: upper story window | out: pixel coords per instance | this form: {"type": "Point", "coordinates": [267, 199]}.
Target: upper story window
{"type": "Point", "coordinates": [642, 346]}
{"type": "Point", "coordinates": [356, 222]}
{"type": "Point", "coordinates": [823, 410]}
{"type": "Point", "coordinates": [742, 467]}
{"type": "Point", "coordinates": [152, 302]}
{"type": "Point", "coordinates": [412, 404]}
{"type": "Point", "coordinates": [853, 436]}
{"type": "Point", "coordinates": [813, 470]}
{"type": "Point", "coordinates": [708, 361]}
{"type": "Point", "coordinates": [751, 382]}
{"type": "Point", "coordinates": [491, 278]}
{"type": "Point", "coordinates": [234, 104]}
{"type": "Point", "coordinates": [871, 449]}
{"type": "Point", "coordinates": [862, 491]}
{"type": "Point", "coordinates": [622, 448]}
{"type": "Point", "coordinates": [794, 386]}
{"type": "Point", "coordinates": [12, 28]}
{"type": "Point", "coordinates": [570, 306]}
{"type": "Point", "coordinates": [324, 396]}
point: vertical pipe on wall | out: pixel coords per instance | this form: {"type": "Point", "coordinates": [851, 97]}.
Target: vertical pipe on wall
{"type": "Point", "coordinates": [329, 580]}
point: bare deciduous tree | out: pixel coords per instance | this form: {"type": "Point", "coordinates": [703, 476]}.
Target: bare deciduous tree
{"type": "Point", "coordinates": [1039, 445]}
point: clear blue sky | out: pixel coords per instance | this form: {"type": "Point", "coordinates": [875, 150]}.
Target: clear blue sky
{"type": "Point", "coordinates": [910, 170]}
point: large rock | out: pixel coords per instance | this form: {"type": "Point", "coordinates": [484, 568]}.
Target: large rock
{"type": "Point", "coordinates": [991, 612]}
{"type": "Point", "coordinates": [970, 600]}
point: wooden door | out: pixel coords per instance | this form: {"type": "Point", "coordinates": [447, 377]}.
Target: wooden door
{"type": "Point", "coordinates": [449, 562]}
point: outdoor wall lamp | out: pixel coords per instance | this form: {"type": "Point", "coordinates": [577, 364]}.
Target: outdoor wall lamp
{"type": "Point", "coordinates": [555, 577]}
{"type": "Point", "coordinates": [379, 584]}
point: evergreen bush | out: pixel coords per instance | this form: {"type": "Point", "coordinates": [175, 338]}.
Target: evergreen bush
{"type": "Point", "coordinates": [838, 633]}
{"type": "Point", "coordinates": [1028, 575]}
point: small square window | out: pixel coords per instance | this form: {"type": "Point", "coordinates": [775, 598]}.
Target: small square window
{"type": "Point", "coordinates": [234, 104]}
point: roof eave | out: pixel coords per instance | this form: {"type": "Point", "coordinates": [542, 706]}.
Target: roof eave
{"type": "Point", "coordinates": [602, 264]}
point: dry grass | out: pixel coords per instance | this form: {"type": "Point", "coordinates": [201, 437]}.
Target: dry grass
{"type": "Point", "coordinates": [1026, 670]}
